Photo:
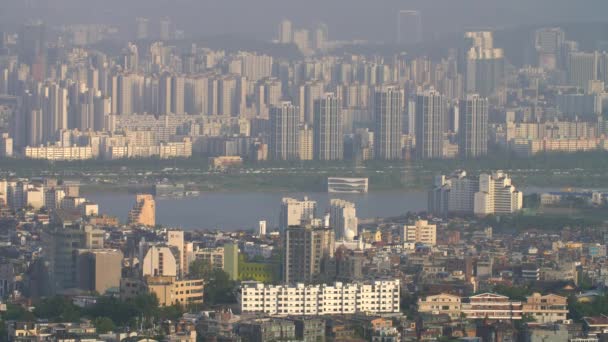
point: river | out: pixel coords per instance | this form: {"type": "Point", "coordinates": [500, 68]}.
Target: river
{"type": "Point", "coordinates": [231, 211]}
{"type": "Point", "coordinates": [235, 210]}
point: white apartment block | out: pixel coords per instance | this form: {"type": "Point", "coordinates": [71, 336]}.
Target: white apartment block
{"type": "Point", "coordinates": [487, 194]}
{"type": "Point", "coordinates": [421, 232]}
{"type": "Point", "coordinates": [343, 219]}
{"type": "Point", "coordinates": [497, 195]}
{"type": "Point", "coordinates": [59, 153]}
{"type": "Point", "coordinates": [295, 212]}
{"type": "Point", "coordinates": [462, 192]}
{"type": "Point", "coordinates": [381, 296]}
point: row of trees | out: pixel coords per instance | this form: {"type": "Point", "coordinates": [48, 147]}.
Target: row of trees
{"type": "Point", "coordinates": [108, 313]}
{"type": "Point", "coordinates": [219, 288]}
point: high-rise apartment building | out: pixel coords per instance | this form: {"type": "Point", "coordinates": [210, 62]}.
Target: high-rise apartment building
{"type": "Point", "coordinates": [261, 231]}
{"type": "Point", "coordinates": [306, 142]}
{"type": "Point", "coordinates": [431, 120]}
{"type": "Point", "coordinates": [6, 145]}
{"type": "Point", "coordinates": [483, 195]}
{"type": "Point", "coordinates": [285, 32]}
{"type": "Point", "coordinates": [144, 211]}
{"type": "Point", "coordinates": [582, 68]}
{"type": "Point", "coordinates": [306, 97]}
{"type": "Point", "coordinates": [497, 195]}
{"type": "Point", "coordinates": [301, 38]}
{"type": "Point", "coordinates": [329, 141]}
{"type": "Point", "coordinates": [409, 27]}
{"type": "Point", "coordinates": [296, 213]}
{"type": "Point", "coordinates": [196, 91]}
{"type": "Point", "coordinates": [33, 48]}
{"type": "Point", "coordinates": [548, 44]}
{"type": "Point", "coordinates": [165, 91]}
{"type": "Point", "coordinates": [388, 116]}
{"type": "Point", "coordinates": [321, 36]}
{"type": "Point", "coordinates": [267, 94]}
{"type": "Point", "coordinates": [165, 29]}
{"type": "Point", "coordinates": [308, 251]}
{"type": "Point", "coordinates": [285, 132]}
{"type": "Point", "coordinates": [343, 219]}
{"type": "Point", "coordinates": [55, 109]}
{"type": "Point", "coordinates": [177, 95]}
{"type": "Point", "coordinates": [485, 64]}
{"type": "Point", "coordinates": [473, 126]}
{"type": "Point", "coordinates": [141, 29]}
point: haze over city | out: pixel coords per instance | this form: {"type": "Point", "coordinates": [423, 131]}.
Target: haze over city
{"type": "Point", "coordinates": [321, 170]}
{"type": "Point", "coordinates": [348, 19]}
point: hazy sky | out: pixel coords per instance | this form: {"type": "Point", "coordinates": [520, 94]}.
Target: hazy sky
{"type": "Point", "coordinates": [368, 19]}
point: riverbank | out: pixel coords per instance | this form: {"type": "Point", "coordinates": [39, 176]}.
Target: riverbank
{"type": "Point", "coordinates": [301, 183]}
{"type": "Point", "coordinates": [578, 170]}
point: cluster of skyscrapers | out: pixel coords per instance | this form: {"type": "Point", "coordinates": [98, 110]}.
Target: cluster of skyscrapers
{"type": "Point", "coordinates": [63, 101]}
{"type": "Point", "coordinates": [489, 193]}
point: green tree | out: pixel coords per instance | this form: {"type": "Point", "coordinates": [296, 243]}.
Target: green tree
{"type": "Point", "coordinates": [513, 292]}
{"type": "Point", "coordinates": [200, 269]}
{"type": "Point", "coordinates": [598, 306]}
{"type": "Point", "coordinates": [409, 304]}
{"type": "Point", "coordinates": [146, 304]}
{"type": "Point", "coordinates": [58, 309]}
{"type": "Point", "coordinates": [172, 312]}
{"type": "Point", "coordinates": [121, 313]}
{"type": "Point", "coordinates": [17, 313]}
{"type": "Point", "coordinates": [104, 325]}
{"type": "Point", "coordinates": [219, 288]}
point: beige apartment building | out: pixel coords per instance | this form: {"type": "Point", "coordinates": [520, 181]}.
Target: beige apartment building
{"type": "Point", "coordinates": [171, 291]}
{"type": "Point", "coordinates": [420, 232]}
{"type": "Point", "coordinates": [144, 211]}
{"type": "Point", "coordinates": [549, 308]}
{"type": "Point", "coordinates": [443, 303]}
{"type": "Point", "coordinates": [546, 309]}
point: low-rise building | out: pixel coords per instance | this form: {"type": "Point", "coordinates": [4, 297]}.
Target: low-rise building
{"type": "Point", "coordinates": [596, 325]}
{"type": "Point", "coordinates": [224, 162]}
{"type": "Point", "coordinates": [171, 291]}
{"type": "Point", "coordinates": [380, 296]}
{"type": "Point", "coordinates": [421, 232]}
{"type": "Point", "coordinates": [267, 329]}
{"type": "Point", "coordinates": [550, 308]}
{"type": "Point", "coordinates": [443, 303]}
{"type": "Point", "coordinates": [492, 306]}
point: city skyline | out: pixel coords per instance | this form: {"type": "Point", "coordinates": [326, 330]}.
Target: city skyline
{"type": "Point", "coordinates": [403, 170]}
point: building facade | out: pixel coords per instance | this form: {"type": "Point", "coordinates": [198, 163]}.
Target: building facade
{"type": "Point", "coordinates": [420, 232]}
{"type": "Point", "coordinates": [343, 219]}
{"type": "Point", "coordinates": [388, 115]}
{"type": "Point", "coordinates": [295, 212]}
{"type": "Point", "coordinates": [381, 296]}
{"type": "Point", "coordinates": [473, 127]}
{"type": "Point", "coordinates": [144, 211]}
{"type": "Point", "coordinates": [285, 132]}
{"type": "Point", "coordinates": [328, 129]}
{"type": "Point", "coordinates": [443, 303]}
{"type": "Point", "coordinates": [431, 111]}
{"type": "Point", "coordinates": [307, 252]}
